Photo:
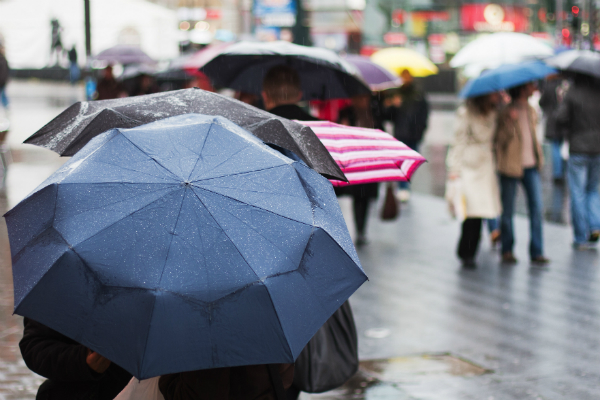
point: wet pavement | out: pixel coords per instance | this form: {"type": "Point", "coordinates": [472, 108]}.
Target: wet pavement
{"type": "Point", "coordinates": [428, 329]}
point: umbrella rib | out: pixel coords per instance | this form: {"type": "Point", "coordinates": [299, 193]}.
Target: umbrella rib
{"type": "Point", "coordinates": [225, 233]}
{"type": "Point", "coordinates": [128, 215]}
{"type": "Point", "coordinates": [200, 152]}
{"type": "Point", "coordinates": [173, 235]}
{"type": "Point", "coordinates": [250, 205]}
{"type": "Point", "coordinates": [237, 173]}
{"type": "Point", "coordinates": [152, 158]}
{"type": "Point", "coordinates": [254, 230]}
{"type": "Point", "coordinates": [109, 204]}
{"type": "Point", "coordinates": [160, 279]}
{"type": "Point", "coordinates": [133, 170]}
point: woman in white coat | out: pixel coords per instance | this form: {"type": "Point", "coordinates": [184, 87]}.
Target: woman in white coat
{"type": "Point", "coordinates": [471, 164]}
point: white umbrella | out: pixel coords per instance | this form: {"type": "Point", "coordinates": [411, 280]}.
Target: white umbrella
{"type": "Point", "coordinates": [496, 49]}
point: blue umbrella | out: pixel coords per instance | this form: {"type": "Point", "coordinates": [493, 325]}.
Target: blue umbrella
{"type": "Point", "coordinates": [505, 77]}
{"type": "Point", "coordinates": [182, 244]}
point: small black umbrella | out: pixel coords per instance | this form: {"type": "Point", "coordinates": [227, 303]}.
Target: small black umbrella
{"type": "Point", "coordinates": [580, 61]}
{"type": "Point", "coordinates": [124, 54]}
{"type": "Point", "coordinates": [323, 74]}
{"type": "Point", "coordinates": [78, 124]}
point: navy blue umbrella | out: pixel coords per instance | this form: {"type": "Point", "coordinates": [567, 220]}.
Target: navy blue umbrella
{"type": "Point", "coordinates": [182, 244]}
{"type": "Point", "coordinates": [505, 77]}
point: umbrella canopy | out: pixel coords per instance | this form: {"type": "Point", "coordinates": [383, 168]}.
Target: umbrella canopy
{"type": "Point", "coordinates": [124, 54]}
{"type": "Point", "coordinates": [505, 77]}
{"type": "Point", "coordinates": [193, 62]}
{"type": "Point", "coordinates": [134, 70]}
{"type": "Point", "coordinates": [366, 155]}
{"type": "Point", "coordinates": [500, 48]}
{"type": "Point", "coordinates": [180, 245]}
{"type": "Point", "coordinates": [397, 59]}
{"type": "Point", "coordinates": [581, 61]}
{"type": "Point", "coordinates": [78, 124]}
{"type": "Point", "coordinates": [323, 74]}
{"type": "Point", "coordinates": [375, 75]}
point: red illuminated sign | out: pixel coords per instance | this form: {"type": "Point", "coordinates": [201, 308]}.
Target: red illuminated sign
{"type": "Point", "coordinates": [493, 18]}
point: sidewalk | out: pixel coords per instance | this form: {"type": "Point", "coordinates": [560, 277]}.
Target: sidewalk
{"type": "Point", "coordinates": [534, 330]}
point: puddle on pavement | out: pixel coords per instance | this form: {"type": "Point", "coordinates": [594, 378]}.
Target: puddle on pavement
{"type": "Point", "coordinates": [383, 379]}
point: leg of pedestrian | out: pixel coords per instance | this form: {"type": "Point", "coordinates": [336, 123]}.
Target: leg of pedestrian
{"type": "Point", "coordinates": [508, 187]}
{"type": "Point", "coordinates": [557, 162]}
{"type": "Point", "coordinates": [469, 241]}
{"type": "Point", "coordinates": [577, 177]}
{"type": "Point", "coordinates": [532, 184]}
{"type": "Point", "coordinates": [593, 198]}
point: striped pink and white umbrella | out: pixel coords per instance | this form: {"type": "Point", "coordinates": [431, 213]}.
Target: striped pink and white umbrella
{"type": "Point", "coordinates": [366, 155]}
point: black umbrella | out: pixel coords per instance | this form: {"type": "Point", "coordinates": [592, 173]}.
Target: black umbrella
{"type": "Point", "coordinates": [78, 124]}
{"type": "Point", "coordinates": [124, 54]}
{"type": "Point", "coordinates": [580, 61]}
{"type": "Point", "coordinates": [323, 74]}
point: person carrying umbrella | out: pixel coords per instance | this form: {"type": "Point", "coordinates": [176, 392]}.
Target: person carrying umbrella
{"type": "Point", "coordinates": [108, 87]}
{"type": "Point", "coordinates": [519, 157]}
{"type": "Point", "coordinates": [281, 93]}
{"type": "Point", "coordinates": [579, 113]}
{"type": "Point", "coordinates": [72, 370]}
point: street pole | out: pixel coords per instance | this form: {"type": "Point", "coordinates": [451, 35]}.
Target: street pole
{"type": "Point", "coordinates": [88, 29]}
{"type": "Point", "coordinates": [558, 20]}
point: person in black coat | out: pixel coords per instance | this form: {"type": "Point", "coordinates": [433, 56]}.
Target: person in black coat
{"type": "Point", "coordinates": [409, 113]}
{"type": "Point", "coordinates": [281, 92]}
{"type": "Point", "coordinates": [73, 371]}
{"type": "Point", "coordinates": [553, 90]}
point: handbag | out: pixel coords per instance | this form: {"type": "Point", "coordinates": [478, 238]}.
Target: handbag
{"type": "Point", "coordinates": [390, 209]}
{"type": "Point", "coordinates": [330, 358]}
{"type": "Point", "coordinates": [455, 196]}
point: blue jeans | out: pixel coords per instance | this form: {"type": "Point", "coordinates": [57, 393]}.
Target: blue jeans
{"type": "Point", "coordinates": [533, 189]}
{"type": "Point", "coordinates": [413, 145]}
{"type": "Point", "coordinates": [584, 177]}
{"type": "Point", "coordinates": [492, 224]}
{"type": "Point", "coordinates": [557, 160]}
{"type": "Point", "coordinates": [3, 98]}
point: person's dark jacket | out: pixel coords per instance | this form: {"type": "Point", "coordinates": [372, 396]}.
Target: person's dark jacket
{"type": "Point", "coordinates": [62, 361]}
{"type": "Point", "coordinates": [410, 119]}
{"type": "Point", "coordinates": [251, 382]}
{"type": "Point", "coordinates": [579, 113]}
{"type": "Point", "coordinates": [549, 103]}
{"type": "Point", "coordinates": [109, 89]}
{"type": "Point", "coordinates": [4, 71]}
{"type": "Point", "coordinates": [292, 111]}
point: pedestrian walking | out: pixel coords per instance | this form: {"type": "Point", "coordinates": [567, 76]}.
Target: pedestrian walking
{"type": "Point", "coordinates": [74, 72]}
{"type": "Point", "coordinates": [579, 114]}
{"type": "Point", "coordinates": [72, 370]}
{"type": "Point", "coordinates": [471, 162]}
{"type": "Point", "coordinates": [409, 113]}
{"type": "Point", "coordinates": [552, 93]}
{"type": "Point", "coordinates": [519, 159]}
{"type": "Point", "coordinates": [360, 114]}
{"type": "Point", "coordinates": [108, 87]}
{"type": "Point", "coordinates": [4, 73]}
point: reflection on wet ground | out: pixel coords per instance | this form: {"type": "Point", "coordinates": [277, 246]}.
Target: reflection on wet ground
{"type": "Point", "coordinates": [428, 330]}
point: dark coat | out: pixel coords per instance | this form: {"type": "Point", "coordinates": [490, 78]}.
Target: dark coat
{"type": "Point", "coordinates": [410, 119]}
{"type": "Point", "coordinates": [4, 71]}
{"type": "Point", "coordinates": [579, 113]}
{"type": "Point", "coordinates": [549, 104]}
{"type": "Point", "coordinates": [292, 111]}
{"type": "Point", "coordinates": [251, 382]}
{"type": "Point", "coordinates": [62, 361]}
{"type": "Point", "coordinates": [109, 89]}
